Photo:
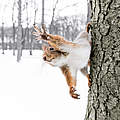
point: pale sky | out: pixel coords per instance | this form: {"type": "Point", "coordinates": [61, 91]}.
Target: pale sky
{"type": "Point", "coordinates": [64, 8]}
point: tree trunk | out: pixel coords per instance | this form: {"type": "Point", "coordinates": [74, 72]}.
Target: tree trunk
{"type": "Point", "coordinates": [88, 10]}
{"type": "Point", "coordinates": [14, 45]}
{"type": "Point", "coordinates": [19, 33]}
{"type": "Point", "coordinates": [2, 35]}
{"type": "Point", "coordinates": [51, 28]}
{"type": "Point", "coordinates": [104, 94]}
{"type": "Point", "coordinates": [31, 42]}
{"type": "Point", "coordinates": [43, 11]}
{"type": "Point", "coordinates": [19, 45]}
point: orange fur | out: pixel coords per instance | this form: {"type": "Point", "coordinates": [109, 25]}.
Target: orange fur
{"type": "Point", "coordinates": [56, 41]}
{"type": "Point", "coordinates": [70, 81]}
{"type": "Point", "coordinates": [89, 82]}
{"type": "Point", "coordinates": [62, 49]}
{"type": "Point", "coordinates": [89, 63]}
{"type": "Point", "coordinates": [50, 55]}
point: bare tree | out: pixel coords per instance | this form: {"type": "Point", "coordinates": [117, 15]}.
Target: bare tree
{"type": "Point", "coordinates": [69, 27]}
{"type": "Point", "coordinates": [31, 39]}
{"type": "Point", "coordinates": [19, 33]}
{"type": "Point", "coordinates": [35, 16]}
{"type": "Point", "coordinates": [43, 11]}
{"type": "Point", "coordinates": [32, 44]}
{"type": "Point", "coordinates": [2, 35]}
{"type": "Point", "coordinates": [53, 16]}
{"type": "Point", "coordinates": [26, 34]}
{"type": "Point", "coordinates": [104, 94]}
{"type": "Point", "coordinates": [14, 46]}
{"type": "Point", "coordinates": [2, 30]}
{"type": "Point", "coordinates": [88, 10]}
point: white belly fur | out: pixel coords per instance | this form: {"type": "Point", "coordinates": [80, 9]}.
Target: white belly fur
{"type": "Point", "coordinates": [78, 56]}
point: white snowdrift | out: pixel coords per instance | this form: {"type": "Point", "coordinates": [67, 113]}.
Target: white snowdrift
{"type": "Point", "coordinates": [33, 90]}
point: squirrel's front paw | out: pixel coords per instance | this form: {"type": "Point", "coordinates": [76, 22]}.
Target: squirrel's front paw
{"type": "Point", "coordinates": [73, 94]}
{"type": "Point", "coordinates": [89, 81]}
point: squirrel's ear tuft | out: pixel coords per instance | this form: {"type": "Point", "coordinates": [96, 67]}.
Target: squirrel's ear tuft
{"type": "Point", "coordinates": [44, 47]}
{"type": "Point", "coordinates": [88, 27]}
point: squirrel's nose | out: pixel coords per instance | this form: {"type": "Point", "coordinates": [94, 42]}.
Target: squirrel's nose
{"type": "Point", "coordinates": [51, 49]}
{"type": "Point", "coordinates": [44, 58]}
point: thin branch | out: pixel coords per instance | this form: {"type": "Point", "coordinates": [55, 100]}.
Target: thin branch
{"type": "Point", "coordinates": [52, 21]}
{"type": "Point", "coordinates": [54, 11]}
{"type": "Point", "coordinates": [13, 11]}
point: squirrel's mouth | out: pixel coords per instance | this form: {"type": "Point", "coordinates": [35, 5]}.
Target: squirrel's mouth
{"type": "Point", "coordinates": [45, 59]}
{"type": "Point", "coordinates": [49, 60]}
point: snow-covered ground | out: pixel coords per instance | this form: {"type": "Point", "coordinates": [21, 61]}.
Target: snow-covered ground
{"type": "Point", "coordinates": [32, 90]}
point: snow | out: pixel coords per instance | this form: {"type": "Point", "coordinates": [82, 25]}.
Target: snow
{"type": "Point", "coordinates": [34, 90]}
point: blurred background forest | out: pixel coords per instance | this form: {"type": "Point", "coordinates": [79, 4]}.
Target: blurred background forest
{"type": "Point", "coordinates": [31, 89]}
{"type": "Point", "coordinates": [18, 17]}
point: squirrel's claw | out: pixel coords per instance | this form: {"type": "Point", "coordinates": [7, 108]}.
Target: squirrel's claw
{"type": "Point", "coordinates": [73, 94]}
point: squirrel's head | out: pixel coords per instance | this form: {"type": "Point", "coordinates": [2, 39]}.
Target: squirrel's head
{"type": "Point", "coordinates": [52, 56]}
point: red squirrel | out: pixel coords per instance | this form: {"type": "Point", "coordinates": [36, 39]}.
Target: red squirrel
{"type": "Point", "coordinates": [68, 56]}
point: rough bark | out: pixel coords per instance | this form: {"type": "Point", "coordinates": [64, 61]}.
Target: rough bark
{"type": "Point", "coordinates": [104, 94]}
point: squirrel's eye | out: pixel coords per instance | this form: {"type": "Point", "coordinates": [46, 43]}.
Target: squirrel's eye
{"type": "Point", "coordinates": [51, 49]}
